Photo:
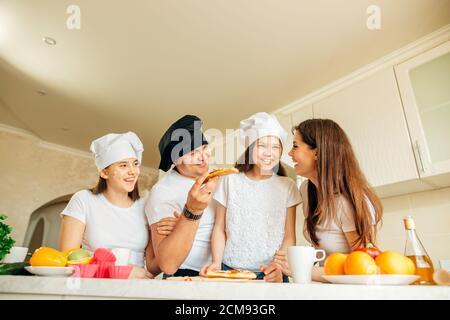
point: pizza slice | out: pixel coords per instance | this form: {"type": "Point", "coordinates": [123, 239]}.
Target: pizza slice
{"type": "Point", "coordinates": [221, 172]}
{"type": "Point", "coordinates": [231, 274]}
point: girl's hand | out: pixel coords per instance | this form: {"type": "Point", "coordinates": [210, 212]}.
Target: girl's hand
{"type": "Point", "coordinates": [272, 272]}
{"type": "Point", "coordinates": [165, 226]}
{"type": "Point", "coordinates": [281, 259]}
{"type": "Point", "coordinates": [213, 266]}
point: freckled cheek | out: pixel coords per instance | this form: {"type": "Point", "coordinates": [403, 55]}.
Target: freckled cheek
{"type": "Point", "coordinates": [115, 175]}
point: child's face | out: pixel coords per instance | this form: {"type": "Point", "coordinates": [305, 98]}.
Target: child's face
{"type": "Point", "coordinates": [122, 175]}
{"type": "Point", "coordinates": [267, 153]}
{"type": "Point", "coordinates": [304, 158]}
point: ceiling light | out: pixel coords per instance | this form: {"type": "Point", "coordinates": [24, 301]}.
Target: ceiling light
{"type": "Point", "coordinates": [49, 41]}
{"type": "Point", "coordinates": [42, 92]}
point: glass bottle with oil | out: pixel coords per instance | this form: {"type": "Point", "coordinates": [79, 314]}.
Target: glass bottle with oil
{"type": "Point", "coordinates": [417, 253]}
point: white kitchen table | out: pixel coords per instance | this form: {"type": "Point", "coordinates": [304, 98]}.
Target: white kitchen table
{"type": "Point", "coordinates": [34, 287]}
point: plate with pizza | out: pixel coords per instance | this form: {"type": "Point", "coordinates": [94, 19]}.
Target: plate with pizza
{"type": "Point", "coordinates": [231, 274]}
{"type": "Point", "coordinates": [222, 276]}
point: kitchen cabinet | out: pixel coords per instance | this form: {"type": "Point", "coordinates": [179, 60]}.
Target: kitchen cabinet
{"type": "Point", "coordinates": [370, 112]}
{"type": "Point", "coordinates": [424, 84]}
{"type": "Point", "coordinates": [396, 113]}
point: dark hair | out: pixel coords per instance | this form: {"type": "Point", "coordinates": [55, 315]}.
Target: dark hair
{"type": "Point", "coordinates": [338, 173]}
{"type": "Point", "coordinates": [246, 163]}
{"type": "Point", "coordinates": [102, 186]}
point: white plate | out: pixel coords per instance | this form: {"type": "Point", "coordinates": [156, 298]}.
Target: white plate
{"type": "Point", "coordinates": [375, 279]}
{"type": "Point", "coordinates": [50, 271]}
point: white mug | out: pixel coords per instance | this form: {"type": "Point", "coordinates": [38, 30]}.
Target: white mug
{"type": "Point", "coordinates": [16, 254]}
{"type": "Point", "coordinates": [301, 260]}
{"type": "Point", "coordinates": [122, 256]}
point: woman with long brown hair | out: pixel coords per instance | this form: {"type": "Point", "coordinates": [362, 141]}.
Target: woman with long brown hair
{"type": "Point", "coordinates": [341, 210]}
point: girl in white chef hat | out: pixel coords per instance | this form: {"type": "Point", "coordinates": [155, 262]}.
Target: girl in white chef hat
{"type": "Point", "coordinates": [111, 215]}
{"type": "Point", "coordinates": [255, 214]}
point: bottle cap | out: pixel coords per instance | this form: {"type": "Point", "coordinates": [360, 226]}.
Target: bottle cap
{"type": "Point", "coordinates": [408, 221]}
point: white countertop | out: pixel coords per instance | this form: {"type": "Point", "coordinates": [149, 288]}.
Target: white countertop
{"type": "Point", "coordinates": [33, 287]}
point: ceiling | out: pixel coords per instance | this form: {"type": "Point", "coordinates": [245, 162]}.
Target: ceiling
{"type": "Point", "coordinates": [139, 65]}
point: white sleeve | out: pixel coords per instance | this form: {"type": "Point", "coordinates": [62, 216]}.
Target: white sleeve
{"type": "Point", "coordinates": [160, 204]}
{"type": "Point", "coordinates": [294, 197]}
{"type": "Point", "coordinates": [77, 208]}
{"type": "Point", "coordinates": [221, 193]}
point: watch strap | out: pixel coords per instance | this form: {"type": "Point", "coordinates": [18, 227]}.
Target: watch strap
{"type": "Point", "coordinates": [191, 216]}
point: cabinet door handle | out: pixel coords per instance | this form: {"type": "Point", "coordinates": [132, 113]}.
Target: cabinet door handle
{"type": "Point", "coordinates": [419, 155]}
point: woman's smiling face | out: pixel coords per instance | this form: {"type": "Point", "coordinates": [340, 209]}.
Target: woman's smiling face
{"type": "Point", "coordinates": [304, 157]}
{"type": "Point", "coordinates": [122, 175]}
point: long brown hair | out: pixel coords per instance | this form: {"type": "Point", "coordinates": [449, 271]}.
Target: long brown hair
{"type": "Point", "coordinates": [339, 174]}
{"type": "Point", "coordinates": [102, 186]}
{"type": "Point", "coordinates": [246, 163]}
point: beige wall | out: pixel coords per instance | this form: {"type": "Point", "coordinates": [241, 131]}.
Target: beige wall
{"type": "Point", "coordinates": [32, 175]}
{"type": "Point", "coordinates": [431, 212]}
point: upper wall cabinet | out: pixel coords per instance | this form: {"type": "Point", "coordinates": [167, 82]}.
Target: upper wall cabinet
{"type": "Point", "coordinates": [370, 112]}
{"type": "Point", "coordinates": [424, 83]}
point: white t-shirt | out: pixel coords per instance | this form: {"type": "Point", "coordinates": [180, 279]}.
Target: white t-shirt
{"type": "Point", "coordinates": [331, 234]}
{"type": "Point", "coordinates": [170, 194]}
{"type": "Point", "coordinates": [109, 226]}
{"type": "Point", "coordinates": [255, 217]}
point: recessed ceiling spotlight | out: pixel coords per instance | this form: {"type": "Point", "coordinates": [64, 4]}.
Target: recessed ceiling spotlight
{"type": "Point", "coordinates": [64, 129]}
{"type": "Point", "coordinates": [49, 41]}
{"type": "Point", "coordinates": [42, 92]}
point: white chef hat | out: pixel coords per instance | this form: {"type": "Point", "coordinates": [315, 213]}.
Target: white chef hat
{"type": "Point", "coordinates": [260, 125]}
{"type": "Point", "coordinates": [114, 147]}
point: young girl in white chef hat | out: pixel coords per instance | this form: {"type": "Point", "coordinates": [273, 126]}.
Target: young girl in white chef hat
{"type": "Point", "coordinates": [255, 215]}
{"type": "Point", "coordinates": [111, 215]}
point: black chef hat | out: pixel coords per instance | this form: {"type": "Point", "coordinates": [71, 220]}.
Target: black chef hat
{"type": "Point", "coordinates": [183, 136]}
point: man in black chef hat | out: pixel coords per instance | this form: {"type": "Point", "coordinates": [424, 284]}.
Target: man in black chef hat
{"type": "Point", "coordinates": [185, 248]}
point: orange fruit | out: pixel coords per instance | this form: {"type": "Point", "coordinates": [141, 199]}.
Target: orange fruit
{"type": "Point", "coordinates": [334, 264]}
{"type": "Point", "coordinates": [391, 262]}
{"type": "Point", "coordinates": [48, 257]}
{"type": "Point", "coordinates": [359, 262]}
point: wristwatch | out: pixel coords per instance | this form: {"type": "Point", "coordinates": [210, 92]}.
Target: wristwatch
{"type": "Point", "coordinates": [191, 216]}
